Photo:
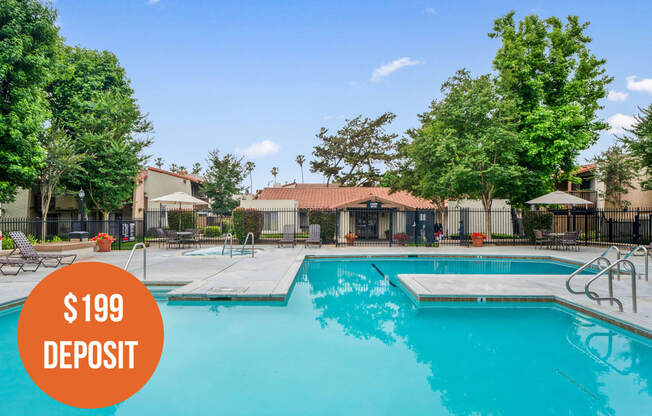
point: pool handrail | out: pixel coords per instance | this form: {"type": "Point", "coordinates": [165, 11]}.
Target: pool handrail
{"type": "Point", "coordinates": [592, 295]}
{"type": "Point", "coordinates": [228, 237]}
{"type": "Point", "coordinates": [646, 253]}
{"type": "Point", "coordinates": [245, 243]}
{"type": "Point", "coordinates": [604, 254]}
{"type": "Point", "coordinates": [576, 272]}
{"type": "Point", "coordinates": [133, 250]}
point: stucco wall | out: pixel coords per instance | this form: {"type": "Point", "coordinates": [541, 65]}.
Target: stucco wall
{"type": "Point", "coordinates": [20, 205]}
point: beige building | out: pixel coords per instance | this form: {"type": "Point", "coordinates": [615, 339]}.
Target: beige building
{"type": "Point", "coordinates": [154, 182]}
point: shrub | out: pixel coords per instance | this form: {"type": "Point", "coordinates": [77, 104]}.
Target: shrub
{"type": "Point", "coordinates": [180, 220]}
{"type": "Point", "coordinates": [227, 227]}
{"type": "Point", "coordinates": [536, 220]}
{"type": "Point", "coordinates": [326, 221]}
{"type": "Point", "coordinates": [401, 238]}
{"type": "Point", "coordinates": [212, 231]}
{"type": "Point", "coordinates": [7, 243]}
{"type": "Point", "coordinates": [247, 221]}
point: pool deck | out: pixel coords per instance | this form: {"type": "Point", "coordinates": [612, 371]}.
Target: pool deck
{"type": "Point", "coordinates": [269, 277]}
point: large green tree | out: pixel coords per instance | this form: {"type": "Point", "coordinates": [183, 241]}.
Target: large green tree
{"type": "Point", "coordinates": [28, 40]}
{"type": "Point", "coordinates": [545, 66]}
{"type": "Point", "coordinates": [466, 146]}
{"type": "Point", "coordinates": [355, 155]}
{"type": "Point", "coordinates": [616, 170]}
{"type": "Point", "coordinates": [92, 100]}
{"type": "Point", "coordinates": [222, 180]}
{"type": "Point", "coordinates": [640, 144]}
{"type": "Point", "coordinates": [61, 157]}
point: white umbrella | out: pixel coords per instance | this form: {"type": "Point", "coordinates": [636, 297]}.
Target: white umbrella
{"type": "Point", "coordinates": [558, 198]}
{"type": "Point", "coordinates": [180, 198]}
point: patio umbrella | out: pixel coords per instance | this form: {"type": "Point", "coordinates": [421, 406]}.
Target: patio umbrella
{"type": "Point", "coordinates": [180, 198]}
{"type": "Point", "coordinates": [558, 198]}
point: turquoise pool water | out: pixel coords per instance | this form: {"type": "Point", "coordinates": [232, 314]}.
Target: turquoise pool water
{"type": "Point", "coordinates": [348, 343]}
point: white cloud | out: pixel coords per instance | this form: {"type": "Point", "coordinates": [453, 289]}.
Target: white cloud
{"type": "Point", "coordinates": [619, 122]}
{"type": "Point", "coordinates": [384, 70]}
{"type": "Point", "coordinates": [264, 148]}
{"type": "Point", "coordinates": [617, 96]}
{"type": "Point", "coordinates": [645, 84]}
{"type": "Point", "coordinates": [431, 10]}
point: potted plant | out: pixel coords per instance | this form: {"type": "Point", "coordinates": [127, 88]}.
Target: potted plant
{"type": "Point", "coordinates": [350, 238]}
{"type": "Point", "coordinates": [401, 238]}
{"type": "Point", "coordinates": [103, 241]}
{"type": "Point", "coordinates": [478, 239]}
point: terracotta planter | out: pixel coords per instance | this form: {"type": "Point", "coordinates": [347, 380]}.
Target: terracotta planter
{"type": "Point", "coordinates": [104, 246]}
{"type": "Point", "coordinates": [478, 241]}
{"type": "Point", "coordinates": [349, 242]}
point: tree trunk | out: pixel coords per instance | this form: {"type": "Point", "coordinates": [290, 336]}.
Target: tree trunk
{"type": "Point", "coordinates": [105, 222]}
{"type": "Point", "coordinates": [486, 203]}
{"type": "Point", "coordinates": [46, 195]}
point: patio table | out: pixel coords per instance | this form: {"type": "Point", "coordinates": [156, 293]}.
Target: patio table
{"type": "Point", "coordinates": [556, 240]}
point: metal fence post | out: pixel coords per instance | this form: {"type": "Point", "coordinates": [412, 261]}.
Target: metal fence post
{"type": "Point", "coordinates": [637, 225]}
{"type": "Point", "coordinates": [337, 227]}
{"type": "Point", "coordinates": [390, 237]}
{"type": "Point", "coordinates": [119, 232]}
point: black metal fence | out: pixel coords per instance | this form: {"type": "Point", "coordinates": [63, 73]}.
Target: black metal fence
{"type": "Point", "coordinates": [357, 227]}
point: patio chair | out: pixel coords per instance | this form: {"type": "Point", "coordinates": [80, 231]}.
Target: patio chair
{"type": "Point", "coordinates": [190, 239]}
{"type": "Point", "coordinates": [540, 239]}
{"type": "Point", "coordinates": [288, 236]}
{"type": "Point", "coordinates": [171, 238]}
{"type": "Point", "coordinates": [19, 264]}
{"type": "Point", "coordinates": [570, 240]}
{"type": "Point", "coordinates": [27, 251]}
{"type": "Point", "coordinates": [314, 234]}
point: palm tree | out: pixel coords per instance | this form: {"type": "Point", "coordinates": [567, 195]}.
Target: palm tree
{"type": "Point", "coordinates": [159, 162]}
{"type": "Point", "coordinates": [196, 168]}
{"type": "Point", "coordinates": [182, 170]}
{"type": "Point", "coordinates": [300, 159]}
{"type": "Point", "coordinates": [174, 168]}
{"type": "Point", "coordinates": [249, 167]}
{"type": "Point", "coordinates": [274, 172]}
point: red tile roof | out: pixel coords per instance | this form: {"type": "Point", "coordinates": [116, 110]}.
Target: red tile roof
{"type": "Point", "coordinates": [191, 178]}
{"type": "Point", "coordinates": [329, 198]}
{"type": "Point", "coordinates": [585, 168]}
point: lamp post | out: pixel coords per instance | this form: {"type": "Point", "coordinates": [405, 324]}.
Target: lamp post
{"type": "Point", "coordinates": [82, 214]}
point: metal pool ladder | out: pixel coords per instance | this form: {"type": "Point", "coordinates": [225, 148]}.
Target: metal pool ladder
{"type": "Point", "coordinates": [646, 253]}
{"type": "Point", "coordinates": [611, 298]}
{"type": "Point", "coordinates": [597, 261]}
{"type": "Point", "coordinates": [228, 237]}
{"type": "Point", "coordinates": [131, 255]}
{"type": "Point", "coordinates": [604, 254]}
{"type": "Point", "coordinates": [245, 243]}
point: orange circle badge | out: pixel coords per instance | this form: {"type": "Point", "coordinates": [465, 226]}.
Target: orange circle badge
{"type": "Point", "coordinates": [90, 335]}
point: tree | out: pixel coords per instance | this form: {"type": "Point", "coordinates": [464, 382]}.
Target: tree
{"type": "Point", "coordinates": [92, 101]}
{"type": "Point", "coordinates": [300, 161]}
{"type": "Point", "coordinates": [249, 168]}
{"type": "Point", "coordinates": [196, 168]}
{"type": "Point", "coordinates": [274, 173]}
{"type": "Point", "coordinates": [466, 146]}
{"type": "Point", "coordinates": [354, 154]}
{"type": "Point", "coordinates": [222, 180]}
{"type": "Point", "coordinates": [182, 170]}
{"type": "Point", "coordinates": [547, 69]}
{"type": "Point", "coordinates": [61, 157]}
{"type": "Point", "coordinates": [159, 162]}
{"type": "Point", "coordinates": [617, 171]}
{"type": "Point", "coordinates": [174, 168]}
{"type": "Point", "coordinates": [28, 43]}
{"type": "Point", "coordinates": [640, 145]}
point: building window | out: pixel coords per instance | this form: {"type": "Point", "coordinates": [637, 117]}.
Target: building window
{"type": "Point", "coordinates": [270, 221]}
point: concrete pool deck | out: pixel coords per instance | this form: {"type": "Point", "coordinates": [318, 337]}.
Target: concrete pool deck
{"type": "Point", "coordinates": [269, 276]}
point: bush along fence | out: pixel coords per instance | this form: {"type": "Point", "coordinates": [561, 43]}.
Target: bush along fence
{"type": "Point", "coordinates": [357, 226]}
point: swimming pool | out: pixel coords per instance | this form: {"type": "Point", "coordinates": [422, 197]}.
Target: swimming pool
{"type": "Point", "coordinates": [217, 251]}
{"type": "Point", "coordinates": [349, 343]}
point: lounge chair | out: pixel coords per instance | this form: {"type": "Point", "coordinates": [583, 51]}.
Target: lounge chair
{"type": "Point", "coordinates": [314, 234]}
{"type": "Point", "coordinates": [540, 239]}
{"type": "Point", "coordinates": [171, 238]}
{"type": "Point", "coordinates": [288, 236]}
{"type": "Point", "coordinates": [27, 251]}
{"type": "Point", "coordinates": [570, 239]}
{"type": "Point", "coordinates": [19, 264]}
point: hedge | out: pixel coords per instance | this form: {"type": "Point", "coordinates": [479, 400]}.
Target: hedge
{"type": "Point", "coordinates": [327, 221]}
{"type": "Point", "coordinates": [247, 221]}
{"type": "Point", "coordinates": [212, 231]}
{"type": "Point", "coordinates": [536, 220]}
{"type": "Point", "coordinates": [181, 220]}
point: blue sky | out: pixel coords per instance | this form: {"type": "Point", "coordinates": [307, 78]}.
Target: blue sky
{"type": "Point", "coordinates": [261, 78]}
